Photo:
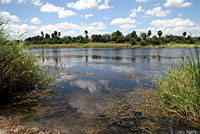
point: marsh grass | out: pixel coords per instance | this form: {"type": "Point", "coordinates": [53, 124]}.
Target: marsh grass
{"type": "Point", "coordinates": [109, 45]}
{"type": "Point", "coordinates": [179, 91]}
{"type": "Point", "coordinates": [19, 71]}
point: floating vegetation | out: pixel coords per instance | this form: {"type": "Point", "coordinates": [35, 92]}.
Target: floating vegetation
{"type": "Point", "coordinates": [138, 112]}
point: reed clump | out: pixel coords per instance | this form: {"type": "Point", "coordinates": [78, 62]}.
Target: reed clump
{"type": "Point", "coordinates": [19, 71]}
{"type": "Point", "coordinates": [179, 91]}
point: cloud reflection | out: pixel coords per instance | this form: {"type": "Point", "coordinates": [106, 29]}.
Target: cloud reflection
{"type": "Point", "coordinates": [91, 86]}
{"type": "Point", "coordinates": [125, 69]}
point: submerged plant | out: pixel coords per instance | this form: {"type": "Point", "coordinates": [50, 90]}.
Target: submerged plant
{"type": "Point", "coordinates": [179, 91]}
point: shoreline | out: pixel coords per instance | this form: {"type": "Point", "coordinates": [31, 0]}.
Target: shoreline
{"type": "Point", "coordinates": [110, 45]}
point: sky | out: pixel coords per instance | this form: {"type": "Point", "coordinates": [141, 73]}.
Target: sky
{"type": "Point", "coordinates": [73, 17]}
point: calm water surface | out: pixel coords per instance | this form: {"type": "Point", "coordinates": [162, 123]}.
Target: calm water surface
{"type": "Point", "coordinates": [86, 75]}
{"type": "Point", "coordinates": [99, 70]}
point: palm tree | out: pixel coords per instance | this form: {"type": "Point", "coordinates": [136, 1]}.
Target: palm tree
{"type": "Point", "coordinates": [42, 33]}
{"type": "Point", "coordinates": [159, 33]}
{"type": "Point", "coordinates": [59, 34]}
{"type": "Point", "coordinates": [86, 32]}
{"type": "Point", "coordinates": [55, 33]}
{"type": "Point", "coordinates": [184, 34]}
{"type": "Point", "coordinates": [149, 33]}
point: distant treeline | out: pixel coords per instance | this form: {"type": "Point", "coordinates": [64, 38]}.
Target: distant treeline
{"type": "Point", "coordinates": [116, 37]}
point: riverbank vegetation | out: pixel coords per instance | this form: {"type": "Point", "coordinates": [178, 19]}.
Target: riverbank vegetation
{"type": "Point", "coordinates": [179, 91]}
{"type": "Point", "coordinates": [18, 70]}
{"type": "Point", "coordinates": [109, 45]}
{"type": "Point", "coordinates": [112, 40]}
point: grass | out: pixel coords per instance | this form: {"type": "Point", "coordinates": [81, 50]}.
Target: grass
{"type": "Point", "coordinates": [109, 45]}
{"type": "Point", "coordinates": [18, 70]}
{"type": "Point", "coordinates": [179, 91]}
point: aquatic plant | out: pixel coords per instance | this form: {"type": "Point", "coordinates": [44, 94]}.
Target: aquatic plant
{"type": "Point", "coordinates": [179, 91]}
{"type": "Point", "coordinates": [18, 70]}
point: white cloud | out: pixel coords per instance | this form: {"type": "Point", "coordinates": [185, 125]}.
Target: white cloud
{"type": "Point", "coordinates": [35, 20]}
{"type": "Point", "coordinates": [65, 13]}
{"type": "Point", "coordinates": [176, 26]}
{"type": "Point", "coordinates": [179, 14]}
{"type": "Point", "coordinates": [88, 15]}
{"type": "Point", "coordinates": [157, 11]}
{"type": "Point", "coordinates": [105, 5]}
{"type": "Point", "coordinates": [124, 23]}
{"type": "Point", "coordinates": [134, 11]}
{"type": "Point", "coordinates": [20, 1]}
{"type": "Point", "coordinates": [5, 1]}
{"type": "Point", "coordinates": [16, 30]}
{"type": "Point", "coordinates": [105, 18]}
{"type": "Point", "coordinates": [73, 29]}
{"type": "Point", "coordinates": [84, 4]}
{"type": "Point", "coordinates": [177, 3]}
{"type": "Point", "coordinates": [127, 26]}
{"type": "Point", "coordinates": [62, 13]}
{"type": "Point", "coordinates": [9, 17]}
{"type": "Point", "coordinates": [49, 8]}
{"type": "Point", "coordinates": [176, 22]}
{"type": "Point", "coordinates": [141, 1]}
{"type": "Point", "coordinates": [121, 21]}
{"type": "Point", "coordinates": [36, 2]}
{"type": "Point", "coordinates": [70, 33]}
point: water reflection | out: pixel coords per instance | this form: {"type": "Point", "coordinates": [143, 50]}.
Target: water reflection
{"type": "Point", "coordinates": [91, 86]}
{"type": "Point", "coordinates": [108, 63]}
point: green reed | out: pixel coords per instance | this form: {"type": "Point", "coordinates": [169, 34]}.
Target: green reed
{"type": "Point", "coordinates": [179, 91]}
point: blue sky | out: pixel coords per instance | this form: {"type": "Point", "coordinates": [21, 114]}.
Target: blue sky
{"type": "Point", "coordinates": [73, 17]}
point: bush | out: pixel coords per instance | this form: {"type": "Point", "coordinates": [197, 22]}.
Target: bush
{"type": "Point", "coordinates": [179, 91]}
{"type": "Point", "coordinates": [143, 43]}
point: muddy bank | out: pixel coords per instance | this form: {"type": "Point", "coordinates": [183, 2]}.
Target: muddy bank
{"type": "Point", "coordinates": [13, 126]}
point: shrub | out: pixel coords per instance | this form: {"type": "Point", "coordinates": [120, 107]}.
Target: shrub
{"type": "Point", "coordinates": [143, 43]}
{"type": "Point", "coordinates": [179, 91]}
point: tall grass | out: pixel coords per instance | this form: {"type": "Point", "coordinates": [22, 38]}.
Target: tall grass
{"type": "Point", "coordinates": [19, 71]}
{"type": "Point", "coordinates": [179, 91]}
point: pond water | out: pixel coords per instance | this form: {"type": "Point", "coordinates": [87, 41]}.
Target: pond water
{"type": "Point", "coordinates": [99, 70]}
{"type": "Point", "coordinates": [86, 75]}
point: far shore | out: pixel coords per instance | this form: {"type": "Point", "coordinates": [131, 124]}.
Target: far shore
{"type": "Point", "coordinates": [110, 45]}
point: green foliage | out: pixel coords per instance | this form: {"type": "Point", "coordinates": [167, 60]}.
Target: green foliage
{"type": "Point", "coordinates": [143, 43]}
{"type": "Point", "coordinates": [143, 36]}
{"type": "Point", "coordinates": [18, 70]}
{"type": "Point", "coordinates": [159, 33]}
{"type": "Point", "coordinates": [115, 37]}
{"type": "Point", "coordinates": [155, 40]}
{"type": "Point", "coordinates": [179, 91]}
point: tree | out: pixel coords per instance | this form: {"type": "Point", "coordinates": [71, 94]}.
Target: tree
{"type": "Point", "coordinates": [47, 36]}
{"type": "Point", "coordinates": [86, 32]}
{"type": "Point", "coordinates": [159, 33]}
{"type": "Point", "coordinates": [42, 33]}
{"type": "Point", "coordinates": [55, 33]}
{"type": "Point", "coordinates": [59, 34]}
{"type": "Point", "coordinates": [143, 36]}
{"type": "Point", "coordinates": [133, 34]}
{"type": "Point", "coordinates": [184, 34]}
{"type": "Point", "coordinates": [155, 40]}
{"type": "Point", "coordinates": [149, 33]}
{"type": "Point", "coordinates": [117, 37]}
